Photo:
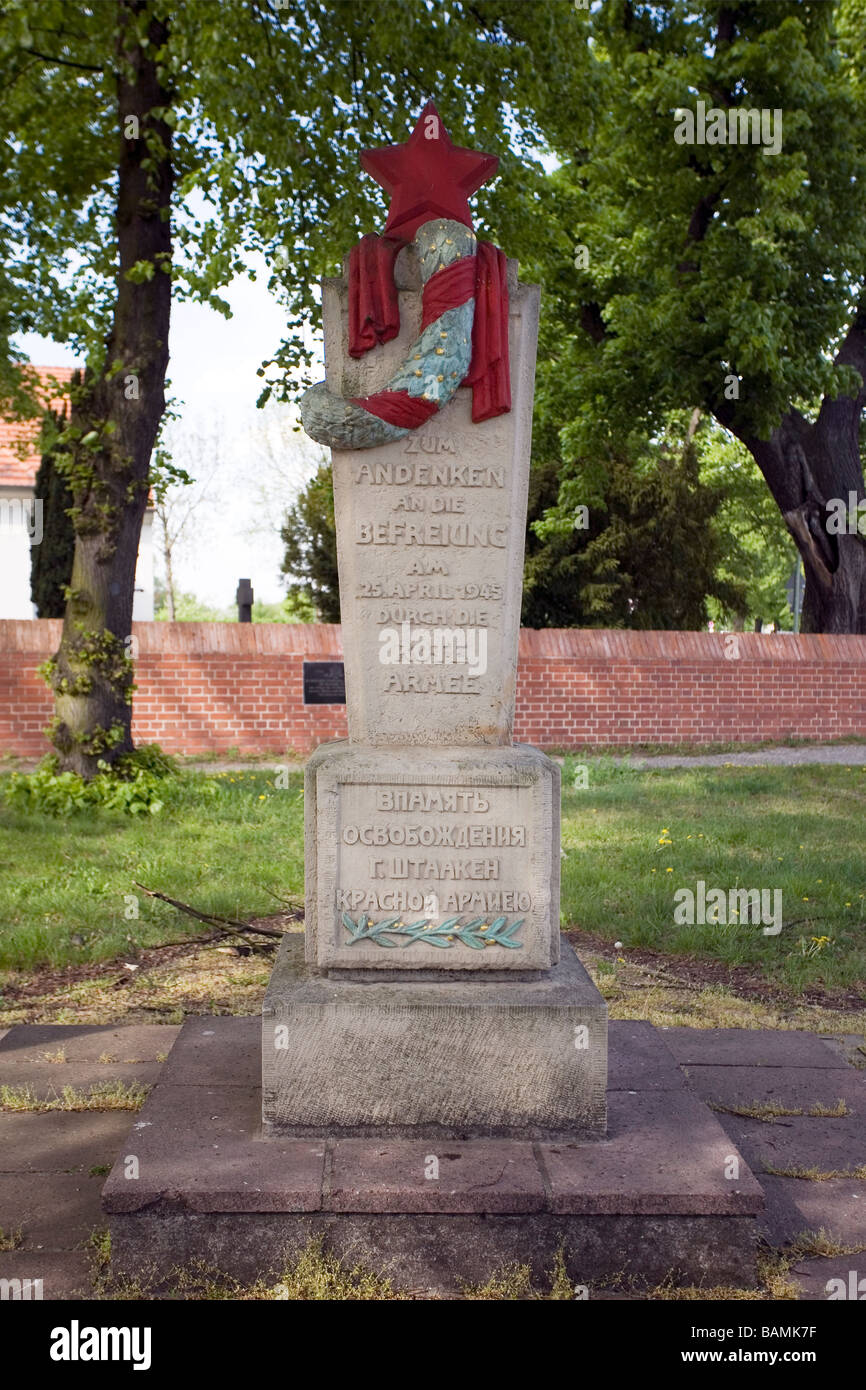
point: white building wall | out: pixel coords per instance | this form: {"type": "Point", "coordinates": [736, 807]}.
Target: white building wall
{"type": "Point", "coordinates": [17, 521]}
{"type": "Point", "coordinates": [142, 607]}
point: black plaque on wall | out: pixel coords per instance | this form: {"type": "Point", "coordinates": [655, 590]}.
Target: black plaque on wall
{"type": "Point", "coordinates": [324, 683]}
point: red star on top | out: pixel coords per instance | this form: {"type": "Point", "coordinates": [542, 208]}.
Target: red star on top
{"type": "Point", "coordinates": [428, 176]}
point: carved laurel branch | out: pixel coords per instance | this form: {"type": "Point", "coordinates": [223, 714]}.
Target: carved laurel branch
{"type": "Point", "coordinates": [476, 934]}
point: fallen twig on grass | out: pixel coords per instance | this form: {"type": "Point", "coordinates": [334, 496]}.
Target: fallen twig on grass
{"type": "Point", "coordinates": [297, 912]}
{"type": "Point", "coordinates": [228, 926]}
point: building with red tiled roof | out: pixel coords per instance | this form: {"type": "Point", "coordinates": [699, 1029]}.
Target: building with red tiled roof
{"type": "Point", "coordinates": [20, 513]}
{"type": "Point", "coordinates": [19, 454]}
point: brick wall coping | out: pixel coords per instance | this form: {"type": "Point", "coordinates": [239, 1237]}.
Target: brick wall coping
{"type": "Point", "coordinates": [567, 644]}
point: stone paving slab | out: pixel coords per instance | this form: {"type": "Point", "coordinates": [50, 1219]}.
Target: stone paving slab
{"type": "Point", "coordinates": [64, 1273]}
{"type": "Point", "coordinates": [814, 1276]}
{"type": "Point", "coordinates": [59, 1141]}
{"type": "Point", "coordinates": [799, 1142]}
{"type": "Point", "coordinates": [797, 1088]}
{"type": "Point", "coordinates": [665, 1154]}
{"type": "Point", "coordinates": [490, 1176]}
{"type": "Point", "coordinates": [638, 1058]}
{"type": "Point", "coordinates": [795, 1205]}
{"type": "Point", "coordinates": [216, 1052]}
{"type": "Point", "coordinates": [199, 1146]}
{"type": "Point", "coordinates": [85, 1042]}
{"type": "Point", "coordinates": [747, 1047]}
{"type": "Point", "coordinates": [851, 1047]}
{"type": "Point", "coordinates": [47, 1080]}
{"type": "Point", "coordinates": [54, 1211]}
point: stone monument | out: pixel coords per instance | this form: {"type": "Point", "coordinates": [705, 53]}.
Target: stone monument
{"type": "Point", "coordinates": [438, 998]}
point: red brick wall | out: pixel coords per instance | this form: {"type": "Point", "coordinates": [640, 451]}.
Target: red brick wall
{"type": "Point", "coordinates": [214, 686]}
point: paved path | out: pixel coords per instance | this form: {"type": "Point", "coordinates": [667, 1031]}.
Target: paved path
{"type": "Point", "coordinates": [847, 754]}
{"type": "Point", "coordinates": [782, 756]}
{"type": "Point", "coordinates": [53, 1165]}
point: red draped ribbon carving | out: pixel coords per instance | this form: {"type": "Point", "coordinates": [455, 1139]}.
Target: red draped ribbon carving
{"type": "Point", "coordinates": [374, 317]}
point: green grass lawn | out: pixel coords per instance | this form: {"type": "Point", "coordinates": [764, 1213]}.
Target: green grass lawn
{"type": "Point", "coordinates": [797, 829]}
{"type": "Point", "coordinates": [228, 843]}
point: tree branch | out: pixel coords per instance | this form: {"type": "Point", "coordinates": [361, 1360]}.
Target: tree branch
{"type": "Point", "coordinates": [63, 62]}
{"type": "Point", "coordinates": [227, 925]}
{"type": "Point", "coordinates": [852, 352]}
{"type": "Point", "coordinates": [592, 322]}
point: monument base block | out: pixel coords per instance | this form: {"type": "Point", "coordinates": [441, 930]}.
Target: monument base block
{"type": "Point", "coordinates": [422, 1054]}
{"type": "Point", "coordinates": [653, 1200]}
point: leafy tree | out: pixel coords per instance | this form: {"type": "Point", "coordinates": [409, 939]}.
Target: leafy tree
{"type": "Point", "coordinates": [182, 607]}
{"type": "Point", "coordinates": [190, 609]}
{"type": "Point", "coordinates": [641, 553]}
{"type": "Point", "coordinates": [719, 276]}
{"type": "Point", "coordinates": [148, 149]}
{"type": "Point", "coordinates": [295, 608]}
{"type": "Point", "coordinates": [51, 559]}
{"type": "Point", "coordinates": [310, 537]}
{"type": "Point", "coordinates": [757, 552]}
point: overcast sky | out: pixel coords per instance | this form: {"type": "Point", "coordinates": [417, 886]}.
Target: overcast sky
{"type": "Point", "coordinates": [235, 531]}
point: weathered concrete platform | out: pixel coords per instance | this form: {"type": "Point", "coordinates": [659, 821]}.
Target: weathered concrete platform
{"type": "Point", "coordinates": [52, 1166]}
{"type": "Point", "coordinates": [664, 1194]}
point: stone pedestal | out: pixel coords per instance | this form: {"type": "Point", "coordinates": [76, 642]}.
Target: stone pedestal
{"type": "Point", "coordinates": [437, 1003]}
{"type": "Point", "coordinates": [428, 1054]}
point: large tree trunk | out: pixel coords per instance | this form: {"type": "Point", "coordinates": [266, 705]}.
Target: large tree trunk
{"type": "Point", "coordinates": [806, 465]}
{"type": "Point", "coordinates": [115, 420]}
